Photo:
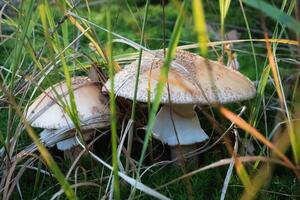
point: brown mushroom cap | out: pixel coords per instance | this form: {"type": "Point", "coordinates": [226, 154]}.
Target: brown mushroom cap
{"type": "Point", "coordinates": [47, 112]}
{"type": "Point", "coordinates": [192, 80]}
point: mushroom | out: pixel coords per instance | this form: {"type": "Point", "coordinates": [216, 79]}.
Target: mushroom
{"type": "Point", "coordinates": [47, 112]}
{"type": "Point", "coordinates": [192, 80]}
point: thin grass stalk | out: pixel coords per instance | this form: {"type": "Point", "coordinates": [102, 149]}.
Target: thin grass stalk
{"type": "Point", "coordinates": [275, 32]}
{"type": "Point", "coordinates": [162, 80]}
{"type": "Point", "coordinates": [132, 117]}
{"type": "Point", "coordinates": [133, 16]}
{"type": "Point", "coordinates": [260, 94]}
{"type": "Point", "coordinates": [223, 162]}
{"type": "Point", "coordinates": [274, 45]}
{"type": "Point", "coordinates": [249, 129]}
{"type": "Point", "coordinates": [250, 37]}
{"type": "Point", "coordinates": [89, 34]}
{"type": "Point", "coordinates": [113, 111]}
{"type": "Point", "coordinates": [47, 18]}
{"type": "Point", "coordinates": [133, 182]}
{"type": "Point", "coordinates": [65, 29]}
{"type": "Point", "coordinates": [291, 7]}
{"type": "Point", "coordinates": [22, 30]}
{"type": "Point", "coordinates": [257, 104]}
{"type": "Point", "coordinates": [21, 36]}
{"type": "Point", "coordinates": [37, 180]}
{"type": "Point", "coordinates": [294, 139]}
{"type": "Point", "coordinates": [212, 44]}
{"type": "Point", "coordinates": [275, 13]}
{"type": "Point", "coordinates": [264, 174]}
{"type": "Point", "coordinates": [182, 160]}
{"type": "Point", "coordinates": [162, 83]}
{"type": "Point", "coordinates": [224, 6]}
{"type": "Point", "coordinates": [44, 152]}
{"type": "Point", "coordinates": [260, 179]}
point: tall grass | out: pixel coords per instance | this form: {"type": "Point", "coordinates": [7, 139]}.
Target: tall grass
{"type": "Point", "coordinates": [200, 26]}
{"type": "Point", "coordinates": [134, 101]}
{"type": "Point", "coordinates": [43, 37]}
{"type": "Point", "coordinates": [163, 77]}
{"type": "Point", "coordinates": [113, 111]}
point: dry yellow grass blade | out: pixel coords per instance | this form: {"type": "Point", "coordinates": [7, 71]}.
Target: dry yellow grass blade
{"type": "Point", "coordinates": [94, 43]}
{"type": "Point", "coordinates": [200, 25]}
{"type": "Point", "coordinates": [252, 131]}
{"type": "Point", "coordinates": [224, 7]}
{"type": "Point", "coordinates": [278, 86]}
{"type": "Point", "coordinates": [77, 24]}
{"type": "Point", "coordinates": [211, 44]}
{"type": "Point", "coordinates": [274, 71]}
{"type": "Point", "coordinates": [262, 177]}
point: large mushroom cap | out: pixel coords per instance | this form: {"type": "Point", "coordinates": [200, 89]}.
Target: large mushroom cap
{"type": "Point", "coordinates": [192, 80]}
{"type": "Point", "coordinates": [47, 111]}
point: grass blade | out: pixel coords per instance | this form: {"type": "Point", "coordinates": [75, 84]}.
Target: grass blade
{"type": "Point", "coordinates": [230, 168]}
{"type": "Point", "coordinates": [113, 111]}
{"type": "Point", "coordinates": [275, 13]}
{"type": "Point", "coordinates": [249, 129]}
{"type": "Point", "coordinates": [260, 94]}
{"type": "Point", "coordinates": [250, 37]}
{"type": "Point", "coordinates": [132, 117]}
{"type": "Point", "coordinates": [224, 6]}
{"type": "Point", "coordinates": [212, 44]}
{"type": "Point", "coordinates": [47, 19]}
{"type": "Point", "coordinates": [162, 81]}
{"type": "Point", "coordinates": [20, 41]}
{"type": "Point", "coordinates": [200, 26]}
{"type": "Point", "coordinates": [44, 152]}
{"type": "Point", "coordinates": [295, 143]}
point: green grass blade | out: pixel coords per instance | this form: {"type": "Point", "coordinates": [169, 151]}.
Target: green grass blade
{"type": "Point", "coordinates": [46, 13]}
{"type": "Point", "coordinates": [113, 111]}
{"type": "Point", "coordinates": [275, 13]}
{"type": "Point", "coordinates": [21, 39]}
{"type": "Point", "coordinates": [200, 26]}
{"type": "Point", "coordinates": [44, 152]}
{"type": "Point", "coordinates": [164, 74]}
{"type": "Point", "coordinates": [132, 117]}
{"type": "Point", "coordinates": [260, 93]}
{"type": "Point", "coordinates": [250, 37]}
{"type": "Point", "coordinates": [65, 30]}
{"type": "Point", "coordinates": [21, 32]}
{"type": "Point", "coordinates": [224, 6]}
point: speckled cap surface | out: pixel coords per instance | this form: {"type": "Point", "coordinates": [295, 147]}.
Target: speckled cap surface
{"type": "Point", "coordinates": [47, 111]}
{"type": "Point", "coordinates": [192, 80]}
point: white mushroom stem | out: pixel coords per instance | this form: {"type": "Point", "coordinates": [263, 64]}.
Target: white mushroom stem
{"type": "Point", "coordinates": [185, 132]}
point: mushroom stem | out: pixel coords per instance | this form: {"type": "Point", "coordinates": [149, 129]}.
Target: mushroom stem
{"type": "Point", "coordinates": [178, 125]}
{"type": "Point", "coordinates": [180, 152]}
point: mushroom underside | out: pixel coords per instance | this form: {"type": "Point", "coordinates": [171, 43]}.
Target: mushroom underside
{"type": "Point", "coordinates": [180, 128]}
{"type": "Point", "coordinates": [185, 130]}
{"type": "Point", "coordinates": [63, 140]}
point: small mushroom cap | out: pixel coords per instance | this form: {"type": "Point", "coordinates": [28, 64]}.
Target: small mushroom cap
{"type": "Point", "coordinates": [192, 80]}
{"type": "Point", "coordinates": [47, 111]}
